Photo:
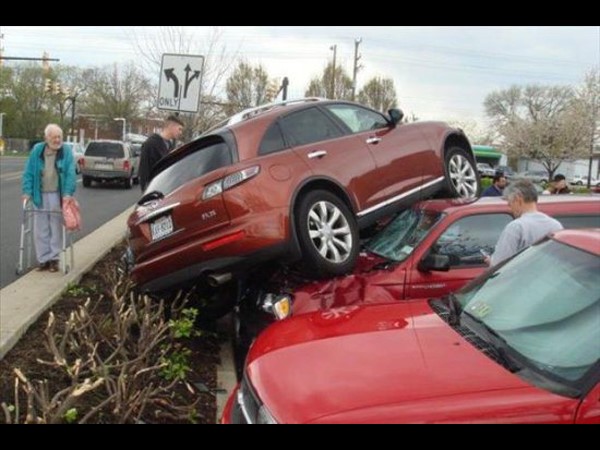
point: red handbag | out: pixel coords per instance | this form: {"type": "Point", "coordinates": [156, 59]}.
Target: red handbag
{"type": "Point", "coordinates": [71, 214]}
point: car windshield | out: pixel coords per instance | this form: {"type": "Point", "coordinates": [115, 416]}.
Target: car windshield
{"type": "Point", "coordinates": [402, 235]}
{"type": "Point", "coordinates": [545, 304]}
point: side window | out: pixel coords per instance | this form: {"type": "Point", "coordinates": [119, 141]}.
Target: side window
{"type": "Point", "coordinates": [358, 119]}
{"type": "Point", "coordinates": [591, 221]}
{"type": "Point", "coordinates": [307, 126]}
{"type": "Point", "coordinates": [464, 239]}
{"type": "Point", "coordinates": [272, 140]}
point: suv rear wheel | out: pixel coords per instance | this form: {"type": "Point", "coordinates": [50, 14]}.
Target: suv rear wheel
{"type": "Point", "coordinates": [328, 234]}
{"type": "Point", "coordinates": [462, 176]}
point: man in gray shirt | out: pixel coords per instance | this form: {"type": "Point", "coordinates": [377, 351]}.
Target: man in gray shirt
{"type": "Point", "coordinates": [529, 226]}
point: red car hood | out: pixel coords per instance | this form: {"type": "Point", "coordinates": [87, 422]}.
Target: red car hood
{"type": "Point", "coordinates": [379, 363]}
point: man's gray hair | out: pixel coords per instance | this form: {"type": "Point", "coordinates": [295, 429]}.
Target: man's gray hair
{"type": "Point", "coordinates": [52, 127]}
{"type": "Point", "coordinates": [523, 188]}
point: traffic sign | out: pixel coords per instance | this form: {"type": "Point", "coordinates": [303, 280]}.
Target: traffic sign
{"type": "Point", "coordinates": [180, 82]}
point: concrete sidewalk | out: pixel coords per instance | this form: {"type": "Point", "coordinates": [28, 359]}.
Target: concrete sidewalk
{"type": "Point", "coordinates": [22, 302]}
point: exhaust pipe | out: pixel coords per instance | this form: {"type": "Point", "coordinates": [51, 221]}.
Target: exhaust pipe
{"type": "Point", "coordinates": [217, 279]}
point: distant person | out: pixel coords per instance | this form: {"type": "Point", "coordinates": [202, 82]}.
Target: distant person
{"type": "Point", "coordinates": [529, 226]}
{"type": "Point", "coordinates": [497, 187]}
{"type": "Point", "coordinates": [157, 146]}
{"type": "Point", "coordinates": [48, 179]}
{"type": "Point", "coordinates": [557, 186]}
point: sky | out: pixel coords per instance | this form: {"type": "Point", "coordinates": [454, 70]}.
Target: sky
{"type": "Point", "coordinates": [440, 72]}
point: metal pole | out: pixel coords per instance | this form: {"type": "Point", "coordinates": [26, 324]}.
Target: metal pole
{"type": "Point", "coordinates": [73, 134]}
{"type": "Point", "coordinates": [334, 48]}
{"type": "Point", "coordinates": [356, 58]}
{"type": "Point", "coordinates": [1, 123]}
{"type": "Point", "coordinates": [284, 85]}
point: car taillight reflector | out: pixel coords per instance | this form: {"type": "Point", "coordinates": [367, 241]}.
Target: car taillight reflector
{"type": "Point", "coordinates": [211, 245]}
{"type": "Point", "coordinates": [231, 180]}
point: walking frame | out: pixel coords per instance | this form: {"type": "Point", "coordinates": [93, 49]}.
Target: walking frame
{"type": "Point", "coordinates": [26, 240]}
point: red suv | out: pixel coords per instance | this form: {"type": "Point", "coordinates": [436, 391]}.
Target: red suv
{"type": "Point", "coordinates": [517, 345]}
{"type": "Point", "coordinates": [297, 178]}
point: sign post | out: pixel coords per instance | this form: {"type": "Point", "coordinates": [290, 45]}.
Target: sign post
{"type": "Point", "coordinates": [180, 82]}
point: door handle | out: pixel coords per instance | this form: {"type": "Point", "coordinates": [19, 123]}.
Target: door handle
{"type": "Point", "coordinates": [317, 154]}
{"type": "Point", "coordinates": [373, 140]}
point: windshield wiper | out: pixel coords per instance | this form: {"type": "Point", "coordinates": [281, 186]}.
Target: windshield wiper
{"type": "Point", "coordinates": [498, 345]}
{"type": "Point", "coordinates": [152, 195]}
{"type": "Point", "coordinates": [455, 309]}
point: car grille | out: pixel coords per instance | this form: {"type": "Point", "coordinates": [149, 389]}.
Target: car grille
{"type": "Point", "coordinates": [246, 406]}
{"type": "Point", "coordinates": [442, 310]}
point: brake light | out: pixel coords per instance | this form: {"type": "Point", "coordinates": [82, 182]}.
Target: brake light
{"type": "Point", "coordinates": [231, 180]}
{"type": "Point", "coordinates": [126, 165]}
{"type": "Point", "coordinates": [82, 162]}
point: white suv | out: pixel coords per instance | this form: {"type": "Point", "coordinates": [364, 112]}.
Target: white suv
{"type": "Point", "coordinates": [110, 160]}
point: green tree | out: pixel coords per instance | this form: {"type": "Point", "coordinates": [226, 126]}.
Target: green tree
{"type": "Point", "coordinates": [322, 86]}
{"type": "Point", "coordinates": [379, 93]}
{"type": "Point", "coordinates": [538, 122]}
{"type": "Point", "coordinates": [246, 87]}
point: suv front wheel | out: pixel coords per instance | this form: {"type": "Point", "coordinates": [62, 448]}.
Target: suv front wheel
{"type": "Point", "coordinates": [328, 234]}
{"type": "Point", "coordinates": [462, 177]}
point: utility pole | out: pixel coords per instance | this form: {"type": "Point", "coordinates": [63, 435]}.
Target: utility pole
{"type": "Point", "coordinates": [284, 86]}
{"type": "Point", "coordinates": [356, 66]}
{"type": "Point", "coordinates": [334, 48]}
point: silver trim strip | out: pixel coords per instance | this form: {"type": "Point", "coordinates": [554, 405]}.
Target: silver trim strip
{"type": "Point", "coordinates": [157, 212]}
{"type": "Point", "coordinates": [240, 402]}
{"type": "Point", "coordinates": [398, 197]}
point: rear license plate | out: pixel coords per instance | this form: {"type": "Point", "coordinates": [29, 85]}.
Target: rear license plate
{"type": "Point", "coordinates": [161, 227]}
{"type": "Point", "coordinates": [102, 166]}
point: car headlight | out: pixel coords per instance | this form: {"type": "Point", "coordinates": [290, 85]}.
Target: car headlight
{"type": "Point", "coordinates": [278, 305]}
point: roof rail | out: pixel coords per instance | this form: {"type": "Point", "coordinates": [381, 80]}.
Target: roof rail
{"type": "Point", "coordinates": [251, 112]}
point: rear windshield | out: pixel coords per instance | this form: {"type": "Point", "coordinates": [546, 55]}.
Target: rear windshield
{"type": "Point", "coordinates": [105, 149]}
{"type": "Point", "coordinates": [191, 167]}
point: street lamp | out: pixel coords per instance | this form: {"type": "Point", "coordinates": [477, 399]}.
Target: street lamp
{"type": "Point", "coordinates": [124, 125]}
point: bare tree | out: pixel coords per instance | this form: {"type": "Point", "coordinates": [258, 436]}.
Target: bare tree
{"type": "Point", "coordinates": [379, 93]}
{"type": "Point", "coordinates": [118, 91]}
{"type": "Point", "coordinates": [246, 87]}
{"type": "Point", "coordinates": [477, 133]}
{"type": "Point", "coordinates": [538, 122]}
{"type": "Point", "coordinates": [588, 108]}
{"type": "Point", "coordinates": [321, 87]}
{"type": "Point", "coordinates": [217, 63]}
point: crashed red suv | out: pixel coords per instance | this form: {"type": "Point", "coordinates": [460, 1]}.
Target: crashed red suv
{"type": "Point", "coordinates": [295, 179]}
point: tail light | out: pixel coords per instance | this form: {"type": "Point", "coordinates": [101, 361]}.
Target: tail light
{"type": "Point", "coordinates": [82, 162]}
{"type": "Point", "coordinates": [231, 180]}
{"type": "Point", "coordinates": [126, 165]}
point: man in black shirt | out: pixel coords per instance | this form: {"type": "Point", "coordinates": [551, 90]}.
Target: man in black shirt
{"type": "Point", "coordinates": [157, 146]}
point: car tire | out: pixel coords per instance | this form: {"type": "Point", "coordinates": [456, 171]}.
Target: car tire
{"type": "Point", "coordinates": [128, 182]}
{"type": "Point", "coordinates": [330, 248]}
{"type": "Point", "coordinates": [462, 177]}
{"type": "Point", "coordinates": [86, 181]}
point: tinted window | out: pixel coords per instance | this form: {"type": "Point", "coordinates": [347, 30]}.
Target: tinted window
{"type": "Point", "coordinates": [272, 140]}
{"type": "Point", "coordinates": [190, 167]}
{"type": "Point", "coordinates": [579, 221]}
{"type": "Point", "coordinates": [105, 149]}
{"type": "Point", "coordinates": [307, 126]}
{"type": "Point", "coordinates": [358, 119]}
{"type": "Point", "coordinates": [464, 239]}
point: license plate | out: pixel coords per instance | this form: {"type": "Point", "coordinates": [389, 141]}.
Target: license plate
{"type": "Point", "coordinates": [102, 166]}
{"type": "Point", "coordinates": [161, 227]}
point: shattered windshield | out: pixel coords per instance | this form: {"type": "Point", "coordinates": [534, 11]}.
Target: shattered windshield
{"type": "Point", "coordinates": [402, 235]}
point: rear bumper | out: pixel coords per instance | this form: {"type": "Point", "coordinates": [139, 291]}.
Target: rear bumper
{"type": "Point", "coordinates": [105, 174]}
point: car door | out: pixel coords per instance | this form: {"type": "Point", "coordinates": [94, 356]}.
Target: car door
{"type": "Point", "coordinates": [461, 240]}
{"type": "Point", "coordinates": [331, 153]}
{"type": "Point", "coordinates": [402, 154]}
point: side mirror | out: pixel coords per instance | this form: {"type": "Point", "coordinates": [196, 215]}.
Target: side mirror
{"type": "Point", "coordinates": [396, 116]}
{"type": "Point", "coordinates": [433, 261]}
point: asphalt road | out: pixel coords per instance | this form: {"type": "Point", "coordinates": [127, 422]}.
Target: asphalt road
{"type": "Point", "coordinates": [99, 204]}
